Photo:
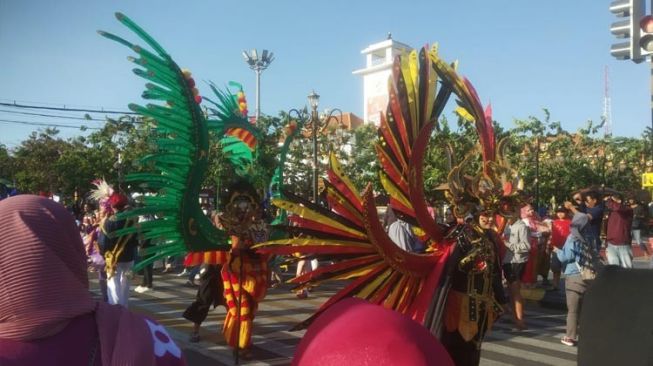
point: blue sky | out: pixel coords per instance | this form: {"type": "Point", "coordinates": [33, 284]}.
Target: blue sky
{"type": "Point", "coordinates": [522, 56]}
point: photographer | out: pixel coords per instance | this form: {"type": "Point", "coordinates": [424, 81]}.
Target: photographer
{"type": "Point", "coordinates": [619, 251]}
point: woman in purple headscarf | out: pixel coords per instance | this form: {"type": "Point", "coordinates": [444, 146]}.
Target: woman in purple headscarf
{"type": "Point", "coordinates": [47, 315]}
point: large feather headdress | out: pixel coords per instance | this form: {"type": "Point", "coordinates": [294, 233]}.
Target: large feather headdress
{"type": "Point", "coordinates": [102, 192]}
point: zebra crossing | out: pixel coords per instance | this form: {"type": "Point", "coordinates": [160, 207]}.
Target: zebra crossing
{"type": "Point", "coordinates": [274, 344]}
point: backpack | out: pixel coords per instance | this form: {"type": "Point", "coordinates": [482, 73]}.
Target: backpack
{"type": "Point", "coordinates": [587, 273]}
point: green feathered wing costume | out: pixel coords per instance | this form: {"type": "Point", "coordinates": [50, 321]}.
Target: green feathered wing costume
{"type": "Point", "coordinates": [177, 166]}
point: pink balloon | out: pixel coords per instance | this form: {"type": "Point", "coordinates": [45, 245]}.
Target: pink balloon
{"type": "Point", "coordinates": [355, 332]}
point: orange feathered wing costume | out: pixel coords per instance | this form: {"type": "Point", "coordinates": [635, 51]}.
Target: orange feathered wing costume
{"type": "Point", "coordinates": [350, 233]}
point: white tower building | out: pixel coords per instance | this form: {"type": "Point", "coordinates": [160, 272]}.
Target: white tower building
{"type": "Point", "coordinates": [378, 68]}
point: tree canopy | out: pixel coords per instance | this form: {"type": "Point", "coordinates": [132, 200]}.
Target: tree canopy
{"type": "Point", "coordinates": [546, 156]}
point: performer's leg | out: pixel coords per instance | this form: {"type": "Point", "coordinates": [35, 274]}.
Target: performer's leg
{"type": "Point", "coordinates": [461, 351]}
{"type": "Point", "coordinates": [124, 273]}
{"type": "Point", "coordinates": [113, 288]}
{"type": "Point", "coordinates": [102, 278]}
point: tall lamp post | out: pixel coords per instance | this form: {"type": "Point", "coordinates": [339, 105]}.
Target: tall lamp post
{"type": "Point", "coordinates": [258, 64]}
{"type": "Point", "coordinates": [315, 125]}
{"type": "Point", "coordinates": [537, 173]}
{"type": "Point", "coordinates": [541, 147]}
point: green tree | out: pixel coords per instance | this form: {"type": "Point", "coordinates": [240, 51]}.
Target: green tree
{"type": "Point", "coordinates": [36, 158]}
{"type": "Point", "coordinates": [7, 163]}
{"type": "Point", "coordinates": [361, 163]}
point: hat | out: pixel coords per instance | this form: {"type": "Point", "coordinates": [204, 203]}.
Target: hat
{"type": "Point", "coordinates": [118, 200]}
{"type": "Point", "coordinates": [561, 209]}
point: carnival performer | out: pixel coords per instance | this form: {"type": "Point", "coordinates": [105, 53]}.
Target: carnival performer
{"type": "Point", "coordinates": [474, 272]}
{"type": "Point", "coordinates": [118, 251]}
{"type": "Point", "coordinates": [452, 288]}
{"type": "Point", "coordinates": [100, 194]}
{"type": "Point", "coordinates": [245, 276]}
{"type": "Point", "coordinates": [176, 169]}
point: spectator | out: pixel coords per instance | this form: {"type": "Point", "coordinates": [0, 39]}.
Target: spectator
{"type": "Point", "coordinates": [543, 260]}
{"type": "Point", "coordinates": [639, 220]}
{"type": "Point", "coordinates": [147, 282]}
{"type": "Point", "coordinates": [50, 318]}
{"type": "Point", "coordinates": [514, 262]}
{"type": "Point", "coordinates": [570, 256]}
{"type": "Point", "coordinates": [619, 251]}
{"type": "Point", "coordinates": [450, 221]}
{"type": "Point", "coordinates": [389, 217]}
{"type": "Point", "coordinates": [590, 203]}
{"type": "Point", "coordinates": [401, 233]}
{"type": "Point", "coordinates": [559, 233]}
{"type": "Point", "coordinates": [538, 238]}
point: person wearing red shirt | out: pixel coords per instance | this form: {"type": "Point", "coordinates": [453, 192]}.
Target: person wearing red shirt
{"type": "Point", "coordinates": [559, 233]}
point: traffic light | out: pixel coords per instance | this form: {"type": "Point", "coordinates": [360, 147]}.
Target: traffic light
{"type": "Point", "coordinates": [628, 28]}
{"type": "Point", "coordinates": [646, 35]}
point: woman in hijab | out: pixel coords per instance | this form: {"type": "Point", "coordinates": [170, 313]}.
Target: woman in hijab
{"type": "Point", "coordinates": [47, 315]}
{"type": "Point", "coordinates": [575, 253]}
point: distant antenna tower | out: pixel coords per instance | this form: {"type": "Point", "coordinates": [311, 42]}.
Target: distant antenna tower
{"type": "Point", "coordinates": [607, 107]}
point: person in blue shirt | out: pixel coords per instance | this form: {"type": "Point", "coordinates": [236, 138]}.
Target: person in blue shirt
{"type": "Point", "coordinates": [590, 203]}
{"type": "Point", "coordinates": [571, 256]}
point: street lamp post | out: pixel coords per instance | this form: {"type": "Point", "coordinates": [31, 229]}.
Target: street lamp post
{"type": "Point", "coordinates": [258, 65]}
{"type": "Point", "coordinates": [316, 125]}
{"type": "Point", "coordinates": [313, 100]}
{"type": "Point", "coordinates": [537, 174]}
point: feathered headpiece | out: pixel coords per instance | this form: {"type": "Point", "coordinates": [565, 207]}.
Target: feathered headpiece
{"type": "Point", "coordinates": [101, 193]}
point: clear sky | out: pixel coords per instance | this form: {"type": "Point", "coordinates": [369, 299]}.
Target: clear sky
{"type": "Point", "coordinates": [520, 55]}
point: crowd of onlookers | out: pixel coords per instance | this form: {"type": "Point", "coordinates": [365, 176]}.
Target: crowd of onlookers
{"type": "Point", "coordinates": [576, 239]}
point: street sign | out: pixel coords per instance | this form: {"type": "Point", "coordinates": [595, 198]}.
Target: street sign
{"type": "Point", "coordinates": [647, 180]}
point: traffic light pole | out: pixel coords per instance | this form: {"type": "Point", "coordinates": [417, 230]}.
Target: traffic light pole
{"type": "Point", "coordinates": [651, 62]}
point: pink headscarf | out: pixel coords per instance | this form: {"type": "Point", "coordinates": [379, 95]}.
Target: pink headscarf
{"type": "Point", "coordinates": [43, 279]}
{"type": "Point", "coordinates": [353, 331]}
{"type": "Point", "coordinates": [44, 285]}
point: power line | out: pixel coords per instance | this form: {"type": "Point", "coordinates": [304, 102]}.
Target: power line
{"type": "Point", "coordinates": [53, 115]}
{"type": "Point", "coordinates": [46, 124]}
{"type": "Point", "coordinates": [65, 109]}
